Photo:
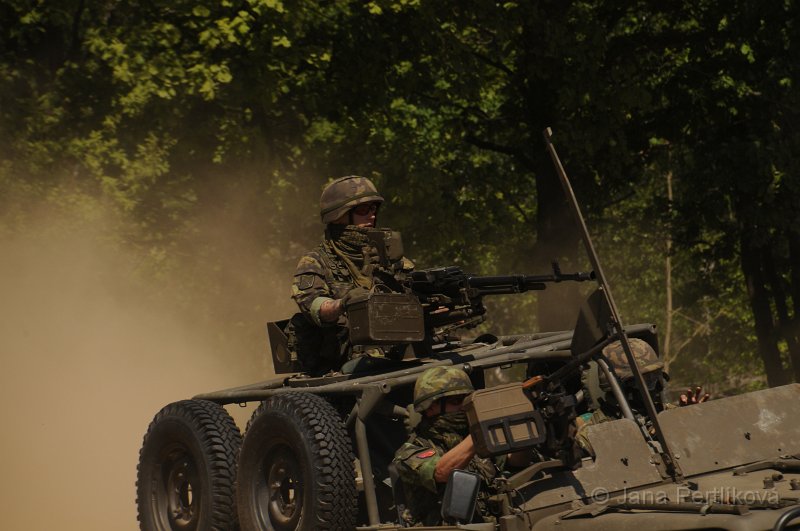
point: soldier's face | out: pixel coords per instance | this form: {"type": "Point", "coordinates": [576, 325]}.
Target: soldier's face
{"type": "Point", "coordinates": [448, 404]}
{"type": "Point", "coordinates": [365, 215]}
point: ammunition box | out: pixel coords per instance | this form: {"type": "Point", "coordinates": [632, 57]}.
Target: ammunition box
{"type": "Point", "coordinates": [502, 419]}
{"type": "Point", "coordinates": [386, 318]}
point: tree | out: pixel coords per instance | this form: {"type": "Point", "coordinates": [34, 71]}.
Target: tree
{"type": "Point", "coordinates": [732, 102]}
{"type": "Point", "coordinates": [208, 129]}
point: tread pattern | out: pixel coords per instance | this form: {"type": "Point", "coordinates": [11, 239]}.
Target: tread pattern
{"type": "Point", "coordinates": [219, 440]}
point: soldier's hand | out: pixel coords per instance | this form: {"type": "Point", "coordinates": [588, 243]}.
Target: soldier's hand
{"type": "Point", "coordinates": [412, 420]}
{"type": "Point", "coordinates": [355, 295]}
{"type": "Point", "coordinates": [693, 397]}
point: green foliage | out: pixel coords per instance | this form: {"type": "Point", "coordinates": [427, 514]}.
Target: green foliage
{"type": "Point", "coordinates": [205, 130]}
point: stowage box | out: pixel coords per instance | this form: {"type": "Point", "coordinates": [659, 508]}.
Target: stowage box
{"type": "Point", "coordinates": [502, 419]}
{"type": "Point", "coordinates": [386, 318]}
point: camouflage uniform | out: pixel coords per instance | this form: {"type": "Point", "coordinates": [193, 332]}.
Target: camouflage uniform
{"type": "Point", "coordinates": [606, 409]}
{"type": "Point", "coordinates": [416, 460]}
{"type": "Point", "coordinates": [331, 270]}
{"type": "Point", "coordinates": [344, 260]}
{"type": "Point", "coordinates": [589, 419]}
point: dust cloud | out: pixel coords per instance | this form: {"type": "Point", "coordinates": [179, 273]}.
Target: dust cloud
{"type": "Point", "coordinates": [87, 361]}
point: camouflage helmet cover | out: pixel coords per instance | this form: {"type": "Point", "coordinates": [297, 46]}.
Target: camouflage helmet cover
{"type": "Point", "coordinates": [344, 193]}
{"type": "Point", "coordinates": [439, 382]}
{"type": "Point", "coordinates": [646, 358]}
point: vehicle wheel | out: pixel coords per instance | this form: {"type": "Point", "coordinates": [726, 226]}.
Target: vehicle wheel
{"type": "Point", "coordinates": [296, 467]}
{"type": "Point", "coordinates": [187, 469]}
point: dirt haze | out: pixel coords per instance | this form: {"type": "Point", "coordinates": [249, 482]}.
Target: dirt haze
{"type": "Point", "coordinates": [87, 361]}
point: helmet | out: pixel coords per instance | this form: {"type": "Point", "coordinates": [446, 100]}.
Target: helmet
{"type": "Point", "coordinates": [646, 358]}
{"type": "Point", "coordinates": [344, 193]}
{"type": "Point", "coordinates": [438, 382]}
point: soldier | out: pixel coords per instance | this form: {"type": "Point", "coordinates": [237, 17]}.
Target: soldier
{"type": "Point", "coordinates": [440, 444]}
{"type": "Point", "coordinates": [337, 273]}
{"type": "Point", "coordinates": [602, 400]}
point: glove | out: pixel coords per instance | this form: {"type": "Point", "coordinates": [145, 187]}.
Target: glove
{"type": "Point", "coordinates": [412, 420]}
{"type": "Point", "coordinates": [357, 294]}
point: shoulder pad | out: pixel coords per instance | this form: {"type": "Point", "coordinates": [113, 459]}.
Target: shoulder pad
{"type": "Point", "coordinates": [310, 263]}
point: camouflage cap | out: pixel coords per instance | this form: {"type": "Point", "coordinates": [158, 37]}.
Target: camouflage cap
{"type": "Point", "coordinates": [438, 382]}
{"type": "Point", "coordinates": [344, 193]}
{"type": "Point", "coordinates": [646, 358]}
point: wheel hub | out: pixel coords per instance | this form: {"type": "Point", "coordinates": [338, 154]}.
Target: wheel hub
{"type": "Point", "coordinates": [182, 493]}
{"type": "Point", "coordinates": [284, 489]}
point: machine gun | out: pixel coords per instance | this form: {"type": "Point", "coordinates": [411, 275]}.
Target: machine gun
{"type": "Point", "coordinates": [449, 296]}
{"type": "Point", "coordinates": [426, 305]}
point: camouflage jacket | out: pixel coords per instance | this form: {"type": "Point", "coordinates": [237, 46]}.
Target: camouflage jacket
{"type": "Point", "coordinates": [343, 261]}
{"type": "Point", "coordinates": [582, 437]}
{"type": "Point", "coordinates": [415, 463]}
{"type": "Point", "coordinates": [320, 275]}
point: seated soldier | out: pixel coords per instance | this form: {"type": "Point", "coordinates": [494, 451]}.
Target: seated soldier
{"type": "Point", "coordinates": [440, 444]}
{"type": "Point", "coordinates": [604, 403]}
{"type": "Point", "coordinates": [339, 271]}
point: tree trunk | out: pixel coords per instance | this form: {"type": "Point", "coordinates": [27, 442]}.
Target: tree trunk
{"type": "Point", "coordinates": [779, 297]}
{"type": "Point", "coordinates": [794, 266]}
{"type": "Point", "coordinates": [794, 272]}
{"type": "Point", "coordinates": [762, 313]}
{"type": "Point", "coordinates": [557, 240]}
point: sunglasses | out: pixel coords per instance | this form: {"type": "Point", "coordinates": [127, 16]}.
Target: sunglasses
{"type": "Point", "coordinates": [365, 209]}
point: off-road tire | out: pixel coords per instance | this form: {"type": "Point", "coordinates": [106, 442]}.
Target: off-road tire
{"type": "Point", "coordinates": [296, 467]}
{"type": "Point", "coordinates": [186, 474]}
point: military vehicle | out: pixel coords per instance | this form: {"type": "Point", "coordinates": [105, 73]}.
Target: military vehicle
{"type": "Point", "coordinates": [316, 452]}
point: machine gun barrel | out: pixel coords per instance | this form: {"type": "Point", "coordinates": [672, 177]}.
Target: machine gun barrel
{"type": "Point", "coordinates": [450, 280]}
{"type": "Point", "coordinates": [499, 285]}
